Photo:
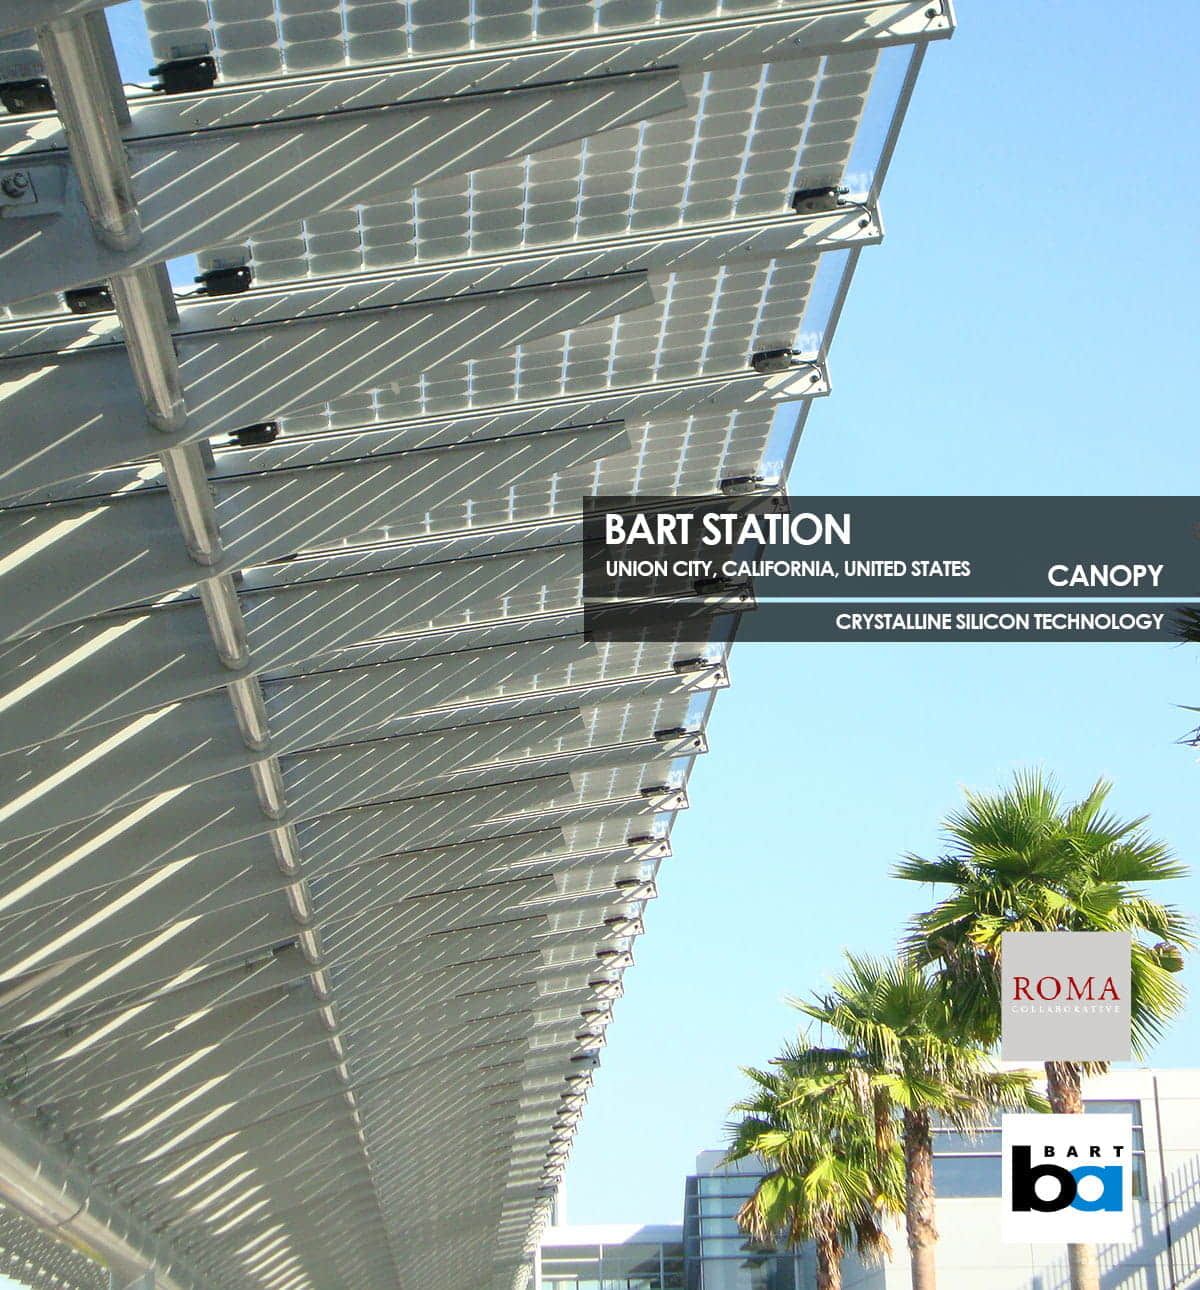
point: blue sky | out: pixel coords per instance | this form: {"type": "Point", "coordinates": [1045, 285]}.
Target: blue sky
{"type": "Point", "coordinates": [1027, 327]}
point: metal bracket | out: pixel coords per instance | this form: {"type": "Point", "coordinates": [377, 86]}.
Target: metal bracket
{"type": "Point", "coordinates": [31, 190]}
{"type": "Point", "coordinates": [688, 745]}
{"type": "Point", "coordinates": [632, 889]}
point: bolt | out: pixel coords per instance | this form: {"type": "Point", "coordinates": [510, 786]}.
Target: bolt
{"type": "Point", "coordinates": [15, 184]}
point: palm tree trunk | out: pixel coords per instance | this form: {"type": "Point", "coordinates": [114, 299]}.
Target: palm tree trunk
{"type": "Point", "coordinates": [829, 1263]}
{"type": "Point", "coordinates": [1085, 1270]}
{"type": "Point", "coordinates": [918, 1203]}
{"type": "Point", "coordinates": [1064, 1088]}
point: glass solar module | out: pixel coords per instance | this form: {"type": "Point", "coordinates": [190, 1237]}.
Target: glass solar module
{"type": "Point", "coordinates": [260, 38]}
{"type": "Point", "coordinates": [307, 943]}
{"type": "Point", "coordinates": [752, 136]}
{"type": "Point", "coordinates": [703, 323]}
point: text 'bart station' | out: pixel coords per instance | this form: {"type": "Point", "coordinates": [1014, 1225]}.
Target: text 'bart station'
{"type": "Point", "coordinates": [668, 529]}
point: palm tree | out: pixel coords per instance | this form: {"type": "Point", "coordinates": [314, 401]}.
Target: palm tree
{"type": "Point", "coordinates": [1022, 861]}
{"type": "Point", "coordinates": [832, 1174]}
{"type": "Point", "coordinates": [902, 1036]}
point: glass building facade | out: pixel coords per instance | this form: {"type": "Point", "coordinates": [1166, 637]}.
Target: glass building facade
{"type": "Point", "coordinates": [717, 1253]}
{"type": "Point", "coordinates": [648, 1258]}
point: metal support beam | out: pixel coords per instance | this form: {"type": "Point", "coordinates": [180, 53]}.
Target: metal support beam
{"type": "Point", "coordinates": [146, 320]}
{"type": "Point", "coordinates": [41, 1183]}
{"type": "Point", "coordinates": [74, 67]}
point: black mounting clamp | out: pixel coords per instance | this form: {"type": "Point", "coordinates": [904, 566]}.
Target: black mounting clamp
{"type": "Point", "coordinates": [818, 201]}
{"type": "Point", "coordinates": [767, 362]}
{"type": "Point", "coordinates": [738, 485]}
{"type": "Point", "coordinates": [185, 75]}
{"type": "Point", "coordinates": [225, 282]}
{"type": "Point", "coordinates": [255, 436]}
{"type": "Point", "coordinates": [32, 95]}
{"type": "Point", "coordinates": [89, 300]}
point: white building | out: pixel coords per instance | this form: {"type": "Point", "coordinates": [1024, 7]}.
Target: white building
{"type": "Point", "coordinates": [714, 1255]}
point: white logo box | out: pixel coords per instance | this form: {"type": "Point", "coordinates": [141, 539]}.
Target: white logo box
{"type": "Point", "coordinates": [1067, 1178]}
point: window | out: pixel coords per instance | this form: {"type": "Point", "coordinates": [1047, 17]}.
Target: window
{"type": "Point", "coordinates": [955, 1176]}
{"type": "Point", "coordinates": [731, 1185]}
{"type": "Point", "coordinates": [719, 1225]}
{"type": "Point", "coordinates": [948, 1142]}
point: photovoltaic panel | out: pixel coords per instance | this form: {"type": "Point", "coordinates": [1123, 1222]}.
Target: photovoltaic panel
{"type": "Point", "coordinates": [326, 834]}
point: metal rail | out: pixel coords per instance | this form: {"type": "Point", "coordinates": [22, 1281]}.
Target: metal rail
{"type": "Point", "coordinates": [45, 1186]}
{"type": "Point", "coordinates": [75, 68]}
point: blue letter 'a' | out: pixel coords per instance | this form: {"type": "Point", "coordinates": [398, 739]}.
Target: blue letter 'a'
{"type": "Point", "coordinates": [1111, 1198]}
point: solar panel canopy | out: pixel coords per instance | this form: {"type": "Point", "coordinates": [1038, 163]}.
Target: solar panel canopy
{"type": "Point", "coordinates": [326, 832]}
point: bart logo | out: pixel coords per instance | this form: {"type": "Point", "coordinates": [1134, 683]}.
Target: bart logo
{"type": "Point", "coordinates": [1067, 1178]}
{"type": "Point", "coordinates": [1065, 996]}
{"type": "Point", "coordinates": [1065, 1184]}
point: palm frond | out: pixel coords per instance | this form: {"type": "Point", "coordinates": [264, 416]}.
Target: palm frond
{"type": "Point", "coordinates": [1022, 860]}
{"type": "Point", "coordinates": [831, 1172]}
